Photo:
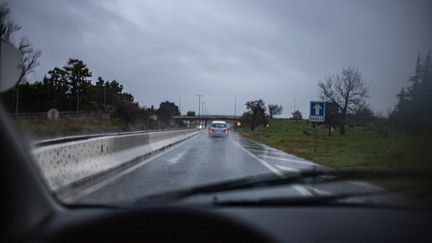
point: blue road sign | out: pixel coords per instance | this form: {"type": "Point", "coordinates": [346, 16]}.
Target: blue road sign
{"type": "Point", "coordinates": [317, 111]}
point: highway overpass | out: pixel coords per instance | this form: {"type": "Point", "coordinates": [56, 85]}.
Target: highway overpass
{"type": "Point", "coordinates": [208, 118]}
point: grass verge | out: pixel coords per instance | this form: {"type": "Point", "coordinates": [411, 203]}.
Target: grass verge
{"type": "Point", "coordinates": [361, 148]}
{"type": "Point", "coordinates": [366, 147]}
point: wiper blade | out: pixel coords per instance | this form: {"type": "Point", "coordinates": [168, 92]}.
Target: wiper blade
{"type": "Point", "coordinates": [302, 200]}
{"type": "Point", "coordinates": [270, 180]}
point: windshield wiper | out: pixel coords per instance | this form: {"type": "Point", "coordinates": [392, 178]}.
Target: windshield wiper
{"type": "Point", "coordinates": [303, 200]}
{"type": "Point", "coordinates": [270, 180]}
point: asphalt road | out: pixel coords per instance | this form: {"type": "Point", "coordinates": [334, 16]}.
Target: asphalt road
{"type": "Point", "coordinates": [200, 160]}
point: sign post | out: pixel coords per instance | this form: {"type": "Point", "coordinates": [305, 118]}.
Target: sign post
{"type": "Point", "coordinates": [316, 114]}
{"type": "Point", "coordinates": [314, 139]}
{"type": "Point", "coordinates": [53, 114]}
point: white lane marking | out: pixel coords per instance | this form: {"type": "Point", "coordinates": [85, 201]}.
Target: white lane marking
{"type": "Point", "coordinates": [250, 146]}
{"type": "Point", "coordinates": [263, 162]}
{"type": "Point", "coordinates": [117, 176]}
{"type": "Point", "coordinates": [269, 151]}
{"type": "Point", "coordinates": [305, 190]}
{"type": "Point", "coordinates": [367, 185]}
{"type": "Point", "coordinates": [281, 167]}
{"type": "Point", "coordinates": [319, 191]}
{"type": "Point", "coordinates": [176, 158]}
{"type": "Point", "coordinates": [289, 160]}
{"type": "Point", "coordinates": [300, 189]}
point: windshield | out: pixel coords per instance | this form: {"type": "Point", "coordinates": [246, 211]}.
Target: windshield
{"type": "Point", "coordinates": [218, 125]}
{"type": "Point", "coordinates": [118, 99]}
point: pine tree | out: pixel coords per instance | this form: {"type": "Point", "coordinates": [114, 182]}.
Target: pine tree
{"type": "Point", "coordinates": [413, 110]}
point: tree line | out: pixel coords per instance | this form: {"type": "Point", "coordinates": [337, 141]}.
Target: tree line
{"type": "Point", "coordinates": [413, 112]}
{"type": "Point", "coordinates": [70, 88]}
{"type": "Point", "coordinates": [346, 95]}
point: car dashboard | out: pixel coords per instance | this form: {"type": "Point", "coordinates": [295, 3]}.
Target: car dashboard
{"type": "Point", "coordinates": [234, 224]}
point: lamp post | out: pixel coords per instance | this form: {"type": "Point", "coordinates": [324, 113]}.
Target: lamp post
{"type": "Point", "coordinates": [199, 108]}
{"type": "Point", "coordinates": [235, 106]}
{"type": "Point", "coordinates": [180, 105]}
{"type": "Point", "coordinates": [202, 112]}
{"type": "Point", "coordinates": [78, 91]}
{"type": "Point", "coordinates": [104, 98]}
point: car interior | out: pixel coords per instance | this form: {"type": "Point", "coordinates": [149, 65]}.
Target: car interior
{"type": "Point", "coordinates": [32, 214]}
{"type": "Point", "coordinates": [181, 121]}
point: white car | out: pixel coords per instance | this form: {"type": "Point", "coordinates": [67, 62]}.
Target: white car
{"type": "Point", "coordinates": [218, 129]}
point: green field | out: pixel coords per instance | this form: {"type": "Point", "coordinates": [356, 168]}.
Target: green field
{"type": "Point", "coordinates": [362, 148]}
{"type": "Point", "coordinates": [366, 147]}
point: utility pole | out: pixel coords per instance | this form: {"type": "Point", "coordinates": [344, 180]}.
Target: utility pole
{"type": "Point", "coordinates": [235, 106]}
{"type": "Point", "coordinates": [105, 97]}
{"type": "Point", "coordinates": [314, 140]}
{"type": "Point", "coordinates": [180, 105]}
{"type": "Point", "coordinates": [204, 112]}
{"type": "Point", "coordinates": [78, 90]}
{"type": "Point", "coordinates": [199, 107]}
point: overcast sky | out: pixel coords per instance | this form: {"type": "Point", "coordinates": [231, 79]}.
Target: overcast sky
{"type": "Point", "coordinates": [274, 50]}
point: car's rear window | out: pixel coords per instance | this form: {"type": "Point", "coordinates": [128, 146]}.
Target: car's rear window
{"type": "Point", "coordinates": [219, 125]}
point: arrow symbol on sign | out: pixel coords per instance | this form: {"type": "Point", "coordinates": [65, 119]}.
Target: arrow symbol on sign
{"type": "Point", "coordinates": [317, 109]}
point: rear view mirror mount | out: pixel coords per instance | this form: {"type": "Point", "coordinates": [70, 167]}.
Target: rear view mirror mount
{"type": "Point", "coordinates": [11, 66]}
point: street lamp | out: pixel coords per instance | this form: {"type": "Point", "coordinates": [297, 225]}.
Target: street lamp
{"type": "Point", "coordinates": [235, 106]}
{"type": "Point", "coordinates": [199, 108]}
{"type": "Point", "coordinates": [202, 112]}
{"type": "Point", "coordinates": [78, 91]}
{"type": "Point", "coordinates": [105, 94]}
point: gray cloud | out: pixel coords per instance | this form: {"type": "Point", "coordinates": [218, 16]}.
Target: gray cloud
{"type": "Point", "coordinates": [275, 50]}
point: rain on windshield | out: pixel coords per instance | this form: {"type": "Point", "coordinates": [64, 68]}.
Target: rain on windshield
{"type": "Point", "coordinates": [117, 98]}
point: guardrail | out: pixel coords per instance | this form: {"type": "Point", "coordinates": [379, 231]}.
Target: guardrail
{"type": "Point", "coordinates": [58, 140]}
{"type": "Point", "coordinates": [67, 164]}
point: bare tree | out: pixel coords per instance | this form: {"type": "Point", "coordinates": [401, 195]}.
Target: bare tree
{"type": "Point", "coordinates": [7, 28]}
{"type": "Point", "coordinates": [347, 89]}
{"type": "Point", "coordinates": [30, 56]}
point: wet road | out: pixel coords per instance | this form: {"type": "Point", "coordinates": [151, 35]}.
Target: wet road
{"type": "Point", "coordinates": [201, 160]}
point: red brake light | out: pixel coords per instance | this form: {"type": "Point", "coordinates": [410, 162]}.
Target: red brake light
{"type": "Point", "coordinates": [225, 130]}
{"type": "Point", "coordinates": [211, 130]}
